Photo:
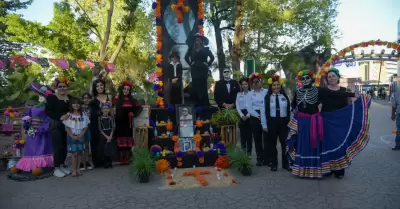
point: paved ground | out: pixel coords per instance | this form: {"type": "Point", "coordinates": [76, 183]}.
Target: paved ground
{"type": "Point", "coordinates": [373, 181]}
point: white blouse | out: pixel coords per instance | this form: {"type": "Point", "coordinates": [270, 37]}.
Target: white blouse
{"type": "Point", "coordinates": [77, 123]}
{"type": "Point", "coordinates": [255, 102]}
{"type": "Point", "coordinates": [241, 103]}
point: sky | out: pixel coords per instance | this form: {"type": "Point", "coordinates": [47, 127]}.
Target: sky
{"type": "Point", "coordinates": [357, 21]}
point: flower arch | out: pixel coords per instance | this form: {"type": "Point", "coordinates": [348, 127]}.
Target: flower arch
{"type": "Point", "coordinates": [349, 49]}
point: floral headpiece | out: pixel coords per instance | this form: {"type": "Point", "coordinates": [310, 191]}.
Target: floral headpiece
{"type": "Point", "coordinates": [41, 90]}
{"type": "Point", "coordinates": [276, 78]}
{"type": "Point", "coordinates": [61, 79]}
{"type": "Point", "coordinates": [106, 104]}
{"type": "Point", "coordinates": [255, 75]}
{"type": "Point", "coordinates": [305, 72]}
{"type": "Point", "coordinates": [46, 91]}
{"type": "Point", "coordinates": [126, 83]}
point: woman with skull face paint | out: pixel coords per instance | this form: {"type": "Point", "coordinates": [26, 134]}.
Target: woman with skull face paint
{"type": "Point", "coordinates": [100, 96]}
{"type": "Point", "coordinates": [126, 108]}
{"type": "Point", "coordinates": [306, 130]}
{"type": "Point", "coordinates": [277, 116]}
{"type": "Point", "coordinates": [255, 106]}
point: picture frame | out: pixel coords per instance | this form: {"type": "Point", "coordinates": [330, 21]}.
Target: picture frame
{"type": "Point", "coordinates": [186, 144]}
{"type": "Point", "coordinates": [185, 117]}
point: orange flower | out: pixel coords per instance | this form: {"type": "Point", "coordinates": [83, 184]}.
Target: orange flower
{"type": "Point", "coordinates": [162, 166]}
{"type": "Point", "coordinates": [176, 149]}
{"type": "Point", "coordinates": [234, 181]}
{"type": "Point", "coordinates": [159, 74]}
{"type": "Point", "coordinates": [180, 164]}
{"type": "Point", "coordinates": [179, 158]}
{"type": "Point", "coordinates": [197, 138]}
{"type": "Point", "coordinates": [394, 132]}
{"type": "Point", "coordinates": [159, 45]}
{"type": "Point", "coordinates": [225, 174]}
{"type": "Point", "coordinates": [175, 138]}
{"type": "Point", "coordinates": [201, 160]}
{"type": "Point", "coordinates": [169, 126]}
{"type": "Point", "coordinates": [199, 124]}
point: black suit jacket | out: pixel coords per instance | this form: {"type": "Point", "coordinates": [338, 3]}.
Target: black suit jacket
{"type": "Point", "coordinates": [169, 72]}
{"type": "Point", "coordinates": [221, 94]}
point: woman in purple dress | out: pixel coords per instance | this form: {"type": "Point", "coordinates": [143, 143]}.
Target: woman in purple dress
{"type": "Point", "coordinates": [38, 148]}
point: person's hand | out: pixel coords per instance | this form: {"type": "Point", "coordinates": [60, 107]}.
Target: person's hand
{"type": "Point", "coordinates": [64, 117]}
{"type": "Point", "coordinates": [259, 117]}
{"type": "Point", "coordinates": [393, 117]}
{"type": "Point", "coordinates": [245, 118]}
{"type": "Point", "coordinates": [224, 105]}
{"type": "Point", "coordinates": [294, 111]}
{"type": "Point", "coordinates": [230, 105]}
{"type": "Point", "coordinates": [75, 138]}
{"type": "Point", "coordinates": [174, 80]}
{"type": "Point", "coordinates": [265, 129]}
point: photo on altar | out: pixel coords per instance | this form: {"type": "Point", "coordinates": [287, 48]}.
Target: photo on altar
{"type": "Point", "coordinates": [185, 115]}
{"type": "Point", "coordinates": [186, 144]}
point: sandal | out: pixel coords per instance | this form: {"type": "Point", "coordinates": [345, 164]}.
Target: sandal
{"type": "Point", "coordinates": [74, 175]}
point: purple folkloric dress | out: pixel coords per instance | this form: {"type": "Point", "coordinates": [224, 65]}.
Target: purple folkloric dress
{"type": "Point", "coordinates": [38, 147]}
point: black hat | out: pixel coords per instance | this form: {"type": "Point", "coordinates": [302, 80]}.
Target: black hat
{"type": "Point", "coordinates": [192, 39]}
{"type": "Point", "coordinates": [174, 54]}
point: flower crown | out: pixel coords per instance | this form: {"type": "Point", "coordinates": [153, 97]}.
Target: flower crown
{"type": "Point", "coordinates": [45, 90]}
{"type": "Point", "coordinates": [276, 78]}
{"type": "Point", "coordinates": [106, 104]}
{"type": "Point", "coordinates": [255, 75]}
{"type": "Point", "coordinates": [305, 72]}
{"type": "Point", "coordinates": [62, 79]}
{"type": "Point", "coordinates": [126, 83]}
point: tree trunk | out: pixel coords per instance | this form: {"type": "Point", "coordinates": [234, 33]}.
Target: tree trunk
{"type": "Point", "coordinates": [238, 38]}
{"type": "Point", "coordinates": [103, 47]}
{"type": "Point", "coordinates": [220, 50]}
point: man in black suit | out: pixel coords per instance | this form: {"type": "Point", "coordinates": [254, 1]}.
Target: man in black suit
{"type": "Point", "coordinates": [226, 90]}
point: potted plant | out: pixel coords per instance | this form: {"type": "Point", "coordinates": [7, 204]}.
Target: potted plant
{"type": "Point", "coordinates": [225, 117]}
{"type": "Point", "coordinates": [239, 159]}
{"type": "Point", "coordinates": [142, 165]}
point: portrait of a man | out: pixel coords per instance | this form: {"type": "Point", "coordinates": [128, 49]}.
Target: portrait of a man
{"type": "Point", "coordinates": [185, 114]}
{"type": "Point", "coordinates": [185, 120]}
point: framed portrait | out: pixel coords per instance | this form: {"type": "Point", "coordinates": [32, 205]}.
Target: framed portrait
{"type": "Point", "coordinates": [186, 144]}
{"type": "Point", "coordinates": [185, 117]}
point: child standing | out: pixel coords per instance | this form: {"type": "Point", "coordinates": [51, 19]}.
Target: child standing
{"type": "Point", "coordinates": [85, 164]}
{"type": "Point", "coordinates": [107, 144]}
{"type": "Point", "coordinates": [76, 126]}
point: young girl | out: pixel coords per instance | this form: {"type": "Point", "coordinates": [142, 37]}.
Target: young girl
{"type": "Point", "coordinates": [76, 126]}
{"type": "Point", "coordinates": [85, 164]}
{"type": "Point", "coordinates": [107, 144]}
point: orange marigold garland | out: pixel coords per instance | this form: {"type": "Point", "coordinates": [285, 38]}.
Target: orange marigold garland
{"type": "Point", "coordinates": [199, 175]}
{"type": "Point", "coordinates": [199, 123]}
{"type": "Point", "coordinates": [180, 8]}
{"type": "Point", "coordinates": [200, 17]}
{"type": "Point", "coordinates": [197, 140]}
{"type": "Point", "coordinates": [158, 84]}
{"type": "Point", "coordinates": [162, 166]}
{"type": "Point", "coordinates": [175, 138]}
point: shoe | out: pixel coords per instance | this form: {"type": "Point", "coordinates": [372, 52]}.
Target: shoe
{"type": "Point", "coordinates": [396, 148]}
{"type": "Point", "coordinates": [58, 173]}
{"type": "Point", "coordinates": [286, 167]}
{"type": "Point", "coordinates": [274, 168]}
{"type": "Point", "coordinates": [88, 166]}
{"type": "Point", "coordinates": [64, 170]}
{"type": "Point", "coordinates": [82, 167]}
{"type": "Point", "coordinates": [339, 177]}
{"type": "Point", "coordinates": [259, 163]}
{"type": "Point", "coordinates": [267, 163]}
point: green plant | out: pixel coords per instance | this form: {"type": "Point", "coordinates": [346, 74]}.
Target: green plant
{"type": "Point", "coordinates": [226, 117]}
{"type": "Point", "coordinates": [239, 159]}
{"type": "Point", "coordinates": [142, 164]}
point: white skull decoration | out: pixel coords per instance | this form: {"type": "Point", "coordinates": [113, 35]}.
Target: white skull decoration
{"type": "Point", "coordinates": [306, 80]}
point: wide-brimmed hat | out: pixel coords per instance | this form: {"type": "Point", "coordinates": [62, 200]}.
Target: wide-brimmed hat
{"type": "Point", "coordinates": [192, 39]}
{"type": "Point", "coordinates": [44, 91]}
{"type": "Point", "coordinates": [174, 54]}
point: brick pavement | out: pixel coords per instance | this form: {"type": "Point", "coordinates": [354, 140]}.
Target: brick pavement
{"type": "Point", "coordinates": [373, 181]}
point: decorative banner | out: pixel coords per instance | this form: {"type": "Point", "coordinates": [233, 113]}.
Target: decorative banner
{"type": "Point", "coordinates": [342, 53]}
{"type": "Point", "coordinates": [44, 62]}
{"type": "Point", "coordinates": [180, 8]}
{"type": "Point", "coordinates": [158, 84]}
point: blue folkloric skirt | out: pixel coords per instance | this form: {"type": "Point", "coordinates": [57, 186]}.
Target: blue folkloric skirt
{"type": "Point", "coordinates": [320, 143]}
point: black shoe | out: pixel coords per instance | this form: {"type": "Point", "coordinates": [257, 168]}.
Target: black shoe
{"type": "Point", "coordinates": [396, 148]}
{"type": "Point", "coordinates": [267, 163]}
{"type": "Point", "coordinates": [82, 167]}
{"type": "Point", "coordinates": [286, 167]}
{"type": "Point", "coordinates": [259, 163]}
{"type": "Point", "coordinates": [274, 168]}
{"type": "Point", "coordinates": [339, 177]}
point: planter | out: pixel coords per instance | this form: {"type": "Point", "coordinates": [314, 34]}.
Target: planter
{"type": "Point", "coordinates": [245, 171]}
{"type": "Point", "coordinates": [144, 178]}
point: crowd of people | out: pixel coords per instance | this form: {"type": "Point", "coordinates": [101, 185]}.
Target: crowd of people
{"type": "Point", "coordinates": [61, 124]}
{"type": "Point", "coordinates": [319, 131]}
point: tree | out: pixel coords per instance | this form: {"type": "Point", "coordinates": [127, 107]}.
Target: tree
{"type": "Point", "coordinates": [6, 47]}
{"type": "Point", "coordinates": [220, 17]}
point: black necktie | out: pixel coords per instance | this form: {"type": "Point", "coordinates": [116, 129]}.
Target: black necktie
{"type": "Point", "coordinates": [277, 108]}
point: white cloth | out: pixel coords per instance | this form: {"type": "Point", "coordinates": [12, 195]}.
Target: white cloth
{"type": "Point", "coordinates": [241, 103]}
{"type": "Point", "coordinates": [255, 101]}
{"type": "Point", "coordinates": [174, 64]}
{"type": "Point", "coordinates": [77, 123]}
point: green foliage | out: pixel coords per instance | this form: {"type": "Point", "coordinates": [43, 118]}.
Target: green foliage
{"type": "Point", "coordinates": [226, 117]}
{"type": "Point", "coordinates": [81, 82]}
{"type": "Point", "coordinates": [142, 164]}
{"type": "Point", "coordinates": [239, 159]}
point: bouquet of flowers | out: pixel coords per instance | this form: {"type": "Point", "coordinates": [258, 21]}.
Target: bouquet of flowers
{"type": "Point", "coordinates": [10, 113]}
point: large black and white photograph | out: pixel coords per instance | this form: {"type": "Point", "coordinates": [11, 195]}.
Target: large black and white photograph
{"type": "Point", "coordinates": [185, 118]}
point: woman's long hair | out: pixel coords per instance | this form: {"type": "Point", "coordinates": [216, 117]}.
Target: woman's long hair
{"type": "Point", "coordinates": [75, 100]}
{"type": "Point", "coordinates": [94, 90]}
{"type": "Point", "coordinates": [244, 80]}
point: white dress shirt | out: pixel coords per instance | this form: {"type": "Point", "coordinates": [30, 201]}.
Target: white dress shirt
{"type": "Point", "coordinates": [283, 103]}
{"type": "Point", "coordinates": [241, 103]}
{"type": "Point", "coordinates": [255, 101]}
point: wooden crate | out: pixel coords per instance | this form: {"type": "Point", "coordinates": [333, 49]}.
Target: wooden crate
{"type": "Point", "coordinates": [228, 134]}
{"type": "Point", "coordinates": [141, 137]}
